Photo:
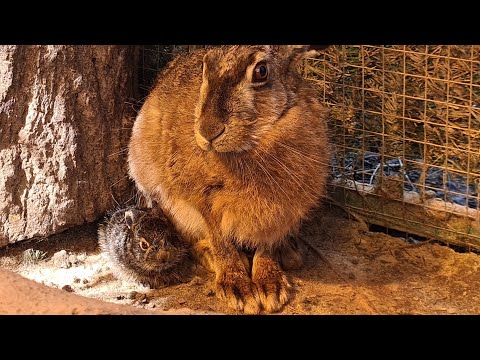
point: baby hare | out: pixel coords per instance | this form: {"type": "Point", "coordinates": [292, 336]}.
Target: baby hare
{"type": "Point", "coordinates": [232, 143]}
{"type": "Point", "coordinates": [142, 245]}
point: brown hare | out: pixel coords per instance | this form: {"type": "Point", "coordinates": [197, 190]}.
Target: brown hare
{"type": "Point", "coordinates": [232, 142]}
{"type": "Point", "coordinates": [142, 245]}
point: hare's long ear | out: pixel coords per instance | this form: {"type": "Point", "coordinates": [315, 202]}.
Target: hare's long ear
{"type": "Point", "coordinates": [318, 47]}
{"type": "Point", "coordinates": [298, 52]}
{"type": "Point", "coordinates": [132, 217]}
{"type": "Point", "coordinates": [129, 219]}
{"type": "Point", "coordinates": [304, 48]}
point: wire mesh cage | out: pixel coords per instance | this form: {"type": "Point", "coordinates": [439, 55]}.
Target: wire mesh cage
{"type": "Point", "coordinates": [405, 125]}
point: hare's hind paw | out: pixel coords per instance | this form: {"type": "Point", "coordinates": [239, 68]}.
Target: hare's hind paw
{"type": "Point", "coordinates": [271, 282]}
{"type": "Point", "coordinates": [238, 291]}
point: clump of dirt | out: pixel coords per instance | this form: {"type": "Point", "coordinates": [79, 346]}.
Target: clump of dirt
{"type": "Point", "coordinates": [348, 270]}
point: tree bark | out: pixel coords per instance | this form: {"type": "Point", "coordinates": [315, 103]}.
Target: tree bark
{"type": "Point", "coordinates": [64, 127]}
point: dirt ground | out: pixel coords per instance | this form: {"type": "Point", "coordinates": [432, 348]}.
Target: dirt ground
{"type": "Point", "coordinates": [348, 270]}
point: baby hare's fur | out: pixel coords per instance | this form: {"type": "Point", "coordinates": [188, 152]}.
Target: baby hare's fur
{"type": "Point", "coordinates": [232, 142]}
{"type": "Point", "coordinates": [143, 246]}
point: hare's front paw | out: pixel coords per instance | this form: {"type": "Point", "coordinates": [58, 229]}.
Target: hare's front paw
{"type": "Point", "coordinates": [271, 282]}
{"type": "Point", "coordinates": [202, 252]}
{"type": "Point", "coordinates": [238, 291]}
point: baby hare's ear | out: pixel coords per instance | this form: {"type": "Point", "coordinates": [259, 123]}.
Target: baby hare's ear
{"type": "Point", "coordinates": [133, 217]}
{"type": "Point", "coordinates": [129, 219]}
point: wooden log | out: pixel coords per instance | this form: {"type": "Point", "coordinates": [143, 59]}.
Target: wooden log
{"type": "Point", "coordinates": [431, 218]}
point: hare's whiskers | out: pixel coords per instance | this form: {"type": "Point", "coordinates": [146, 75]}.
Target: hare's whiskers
{"type": "Point", "coordinates": [115, 200]}
{"type": "Point", "coordinates": [247, 172]}
{"type": "Point", "coordinates": [194, 150]}
{"type": "Point", "coordinates": [116, 182]}
{"type": "Point", "coordinates": [301, 154]}
{"type": "Point", "coordinates": [119, 152]}
{"type": "Point", "coordinates": [268, 173]}
{"type": "Point", "coordinates": [302, 184]}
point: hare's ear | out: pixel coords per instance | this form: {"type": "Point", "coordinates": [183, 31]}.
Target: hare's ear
{"type": "Point", "coordinates": [318, 47]}
{"type": "Point", "coordinates": [304, 48]}
{"type": "Point", "coordinates": [129, 219]}
{"type": "Point", "coordinates": [132, 217]}
{"type": "Point", "coordinates": [299, 52]}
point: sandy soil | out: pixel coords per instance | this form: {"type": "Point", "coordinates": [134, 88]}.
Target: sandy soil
{"type": "Point", "coordinates": [348, 270]}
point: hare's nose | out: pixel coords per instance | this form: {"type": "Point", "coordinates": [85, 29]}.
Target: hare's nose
{"type": "Point", "coordinates": [204, 139]}
{"type": "Point", "coordinates": [162, 255]}
{"type": "Point", "coordinates": [210, 129]}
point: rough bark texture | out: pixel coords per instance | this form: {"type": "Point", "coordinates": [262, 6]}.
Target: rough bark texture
{"type": "Point", "coordinates": [64, 125]}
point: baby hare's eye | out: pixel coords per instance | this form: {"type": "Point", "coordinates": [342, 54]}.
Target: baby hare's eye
{"type": "Point", "coordinates": [260, 73]}
{"type": "Point", "coordinates": [144, 245]}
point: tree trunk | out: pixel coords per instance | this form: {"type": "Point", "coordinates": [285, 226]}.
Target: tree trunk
{"type": "Point", "coordinates": [64, 128]}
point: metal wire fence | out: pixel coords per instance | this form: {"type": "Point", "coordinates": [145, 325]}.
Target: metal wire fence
{"type": "Point", "coordinates": [405, 123]}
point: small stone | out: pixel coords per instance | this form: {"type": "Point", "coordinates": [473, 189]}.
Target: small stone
{"type": "Point", "coordinates": [67, 288]}
{"type": "Point", "coordinates": [76, 280]}
{"type": "Point", "coordinates": [60, 259]}
{"type": "Point", "coordinates": [82, 257]}
{"type": "Point", "coordinates": [72, 259]}
{"type": "Point", "coordinates": [387, 259]}
{"type": "Point", "coordinates": [451, 310]}
{"type": "Point", "coordinates": [313, 299]}
{"type": "Point", "coordinates": [120, 297]}
{"type": "Point", "coordinates": [416, 298]}
{"type": "Point", "coordinates": [197, 280]}
{"type": "Point", "coordinates": [306, 306]}
{"type": "Point", "coordinates": [181, 301]}
{"type": "Point", "coordinates": [138, 297]}
{"type": "Point", "coordinates": [85, 281]}
{"type": "Point", "coordinates": [354, 261]}
{"type": "Point", "coordinates": [209, 292]}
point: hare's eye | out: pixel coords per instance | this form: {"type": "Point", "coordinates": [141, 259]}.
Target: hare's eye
{"type": "Point", "coordinates": [260, 73]}
{"type": "Point", "coordinates": [144, 245]}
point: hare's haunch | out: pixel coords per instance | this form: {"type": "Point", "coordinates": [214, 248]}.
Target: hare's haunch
{"type": "Point", "coordinates": [232, 143]}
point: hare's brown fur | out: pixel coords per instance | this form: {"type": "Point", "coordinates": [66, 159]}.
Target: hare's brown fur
{"type": "Point", "coordinates": [237, 163]}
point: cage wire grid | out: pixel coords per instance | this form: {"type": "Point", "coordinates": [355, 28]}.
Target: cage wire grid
{"type": "Point", "coordinates": [405, 129]}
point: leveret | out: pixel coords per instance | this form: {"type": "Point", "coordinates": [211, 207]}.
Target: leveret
{"type": "Point", "coordinates": [232, 142]}
{"type": "Point", "coordinates": [142, 245]}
